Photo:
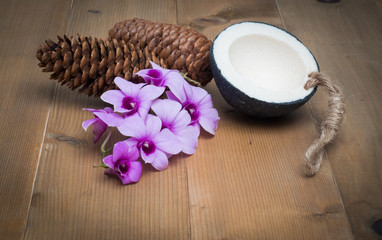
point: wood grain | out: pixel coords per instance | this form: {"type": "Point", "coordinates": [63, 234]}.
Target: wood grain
{"type": "Point", "coordinates": [247, 182]}
{"type": "Point", "coordinates": [73, 200]}
{"type": "Point", "coordinates": [24, 106]}
{"type": "Point", "coordinates": [346, 39]}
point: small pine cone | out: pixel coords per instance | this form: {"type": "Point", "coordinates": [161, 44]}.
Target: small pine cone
{"type": "Point", "coordinates": [180, 48]}
{"type": "Point", "coordinates": [93, 63]}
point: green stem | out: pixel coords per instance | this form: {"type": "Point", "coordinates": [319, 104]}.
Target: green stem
{"type": "Point", "coordinates": [103, 151]}
{"type": "Point", "coordinates": [101, 165]}
{"type": "Point", "coordinates": [190, 80]}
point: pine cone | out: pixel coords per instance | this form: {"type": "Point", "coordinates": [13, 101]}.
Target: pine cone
{"type": "Point", "coordinates": [93, 63]}
{"type": "Point", "coordinates": [180, 48]}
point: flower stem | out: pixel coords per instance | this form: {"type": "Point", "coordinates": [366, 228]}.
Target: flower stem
{"type": "Point", "coordinates": [190, 80]}
{"type": "Point", "coordinates": [101, 165]}
{"type": "Point", "coordinates": [103, 151]}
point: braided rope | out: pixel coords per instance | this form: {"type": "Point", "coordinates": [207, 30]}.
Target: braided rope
{"type": "Point", "coordinates": [329, 127]}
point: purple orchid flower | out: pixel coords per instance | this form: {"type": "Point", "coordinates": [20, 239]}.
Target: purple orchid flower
{"type": "Point", "coordinates": [123, 163]}
{"type": "Point", "coordinates": [132, 98]}
{"type": "Point", "coordinates": [198, 103]}
{"type": "Point", "coordinates": [154, 143]}
{"type": "Point", "coordinates": [161, 77]}
{"type": "Point", "coordinates": [177, 121]}
{"type": "Point", "coordinates": [99, 126]}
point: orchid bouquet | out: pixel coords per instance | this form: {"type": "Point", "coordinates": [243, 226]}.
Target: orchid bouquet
{"type": "Point", "coordinates": [160, 118]}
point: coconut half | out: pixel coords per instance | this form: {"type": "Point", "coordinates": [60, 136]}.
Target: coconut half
{"type": "Point", "coordinates": [261, 69]}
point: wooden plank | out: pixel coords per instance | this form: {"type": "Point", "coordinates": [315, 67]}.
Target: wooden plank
{"type": "Point", "coordinates": [247, 182]}
{"type": "Point", "coordinates": [71, 199]}
{"type": "Point", "coordinates": [25, 99]}
{"type": "Point", "coordinates": [346, 39]}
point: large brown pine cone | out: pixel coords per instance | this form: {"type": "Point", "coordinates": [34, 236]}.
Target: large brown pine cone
{"type": "Point", "coordinates": [93, 63]}
{"type": "Point", "coordinates": [180, 48]}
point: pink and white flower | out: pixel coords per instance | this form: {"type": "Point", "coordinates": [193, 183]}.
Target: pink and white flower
{"type": "Point", "coordinates": [123, 163]}
{"type": "Point", "coordinates": [174, 128]}
{"type": "Point", "coordinates": [198, 103]}
{"type": "Point", "coordinates": [132, 98]}
{"type": "Point", "coordinates": [99, 126]}
{"type": "Point", "coordinates": [154, 143]}
{"type": "Point", "coordinates": [161, 77]}
{"type": "Point", "coordinates": [177, 121]}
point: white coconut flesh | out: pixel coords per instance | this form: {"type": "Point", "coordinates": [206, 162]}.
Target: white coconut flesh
{"type": "Point", "coordinates": [264, 62]}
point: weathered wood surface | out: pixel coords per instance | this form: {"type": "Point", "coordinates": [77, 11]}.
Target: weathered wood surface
{"type": "Point", "coordinates": [247, 187]}
{"type": "Point", "coordinates": [346, 39]}
{"type": "Point", "coordinates": [25, 101]}
{"type": "Point", "coordinates": [244, 183]}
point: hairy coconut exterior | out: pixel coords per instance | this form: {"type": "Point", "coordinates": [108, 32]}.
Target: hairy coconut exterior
{"type": "Point", "coordinates": [179, 47]}
{"type": "Point", "coordinates": [92, 64]}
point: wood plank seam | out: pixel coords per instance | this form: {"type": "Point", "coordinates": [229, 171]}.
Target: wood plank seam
{"type": "Point", "coordinates": [186, 168]}
{"type": "Point", "coordinates": [317, 127]}
{"type": "Point", "coordinates": [281, 18]}
{"type": "Point", "coordinates": [326, 159]}
{"type": "Point", "coordinates": [54, 95]}
{"type": "Point", "coordinates": [189, 205]}
{"type": "Point", "coordinates": [39, 158]}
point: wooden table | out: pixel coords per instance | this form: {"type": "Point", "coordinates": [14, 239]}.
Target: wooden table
{"type": "Point", "coordinates": [246, 182]}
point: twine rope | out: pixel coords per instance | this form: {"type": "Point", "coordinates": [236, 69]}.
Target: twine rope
{"type": "Point", "coordinates": [329, 127]}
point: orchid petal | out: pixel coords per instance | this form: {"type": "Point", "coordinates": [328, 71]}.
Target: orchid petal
{"type": "Point", "coordinates": [144, 108]}
{"type": "Point", "coordinates": [196, 94]}
{"type": "Point", "coordinates": [177, 90]}
{"type": "Point", "coordinates": [133, 175]}
{"type": "Point", "coordinates": [150, 92]}
{"type": "Point", "coordinates": [209, 122]}
{"type": "Point", "coordinates": [160, 163]}
{"type": "Point", "coordinates": [133, 152]}
{"type": "Point", "coordinates": [131, 141]}
{"type": "Point", "coordinates": [110, 172]}
{"type": "Point", "coordinates": [133, 126]}
{"type": "Point", "coordinates": [90, 109]}
{"type": "Point", "coordinates": [108, 110]}
{"type": "Point", "coordinates": [167, 142]}
{"type": "Point", "coordinates": [142, 72]}
{"type": "Point", "coordinates": [156, 66]}
{"type": "Point", "coordinates": [135, 171]}
{"type": "Point", "coordinates": [108, 160]}
{"type": "Point", "coordinates": [111, 119]}
{"type": "Point", "coordinates": [157, 159]}
{"type": "Point", "coordinates": [153, 125]}
{"type": "Point", "coordinates": [188, 136]}
{"type": "Point", "coordinates": [171, 96]}
{"type": "Point", "coordinates": [166, 110]}
{"type": "Point", "coordinates": [89, 122]}
{"type": "Point", "coordinates": [207, 125]}
{"type": "Point", "coordinates": [114, 97]}
{"type": "Point", "coordinates": [124, 179]}
{"type": "Point", "coordinates": [210, 113]}
{"type": "Point", "coordinates": [163, 70]}
{"type": "Point", "coordinates": [146, 157]}
{"type": "Point", "coordinates": [152, 76]}
{"type": "Point", "coordinates": [181, 120]}
{"type": "Point", "coordinates": [125, 151]}
{"type": "Point", "coordinates": [206, 102]}
{"type": "Point", "coordinates": [174, 81]}
{"type": "Point", "coordinates": [128, 88]}
{"type": "Point", "coordinates": [99, 128]}
{"type": "Point", "coordinates": [196, 126]}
